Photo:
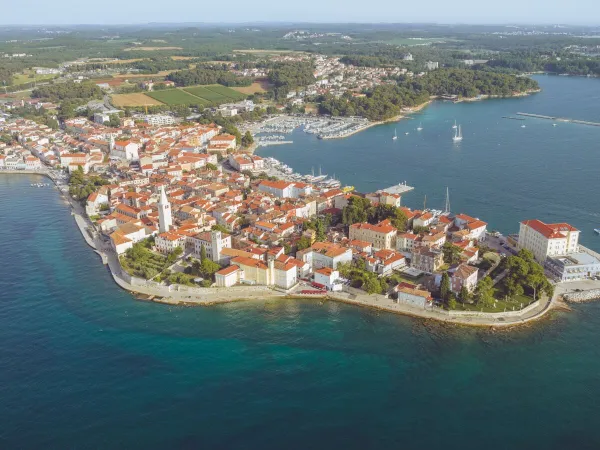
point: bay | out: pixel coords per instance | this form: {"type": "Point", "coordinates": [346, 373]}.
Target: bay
{"type": "Point", "coordinates": [84, 365]}
{"type": "Point", "coordinates": [500, 172]}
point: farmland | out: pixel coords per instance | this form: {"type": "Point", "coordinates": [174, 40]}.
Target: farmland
{"type": "Point", "coordinates": [175, 97]}
{"type": "Point", "coordinates": [215, 93]}
{"type": "Point", "coordinates": [137, 99]}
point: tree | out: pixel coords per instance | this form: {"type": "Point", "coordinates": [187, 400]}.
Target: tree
{"type": "Point", "coordinates": [220, 228]}
{"type": "Point", "coordinates": [451, 253]}
{"type": "Point", "coordinates": [464, 295]}
{"type": "Point", "coordinates": [247, 139]}
{"type": "Point", "coordinates": [211, 166]}
{"type": "Point", "coordinates": [445, 286]}
{"type": "Point", "coordinates": [114, 121]}
{"type": "Point", "coordinates": [420, 229]}
{"type": "Point", "coordinates": [208, 268]}
{"type": "Point", "coordinates": [452, 303]}
{"type": "Point", "coordinates": [484, 292]}
{"type": "Point", "coordinates": [372, 285]}
{"type": "Point", "coordinates": [303, 243]}
{"type": "Point", "coordinates": [202, 253]}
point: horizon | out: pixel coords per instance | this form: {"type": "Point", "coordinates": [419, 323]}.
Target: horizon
{"type": "Point", "coordinates": [460, 12]}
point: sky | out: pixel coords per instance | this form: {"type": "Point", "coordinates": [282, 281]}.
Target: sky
{"type": "Point", "coordinates": [61, 12]}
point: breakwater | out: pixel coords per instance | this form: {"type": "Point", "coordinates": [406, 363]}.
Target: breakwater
{"type": "Point", "coordinates": [560, 119]}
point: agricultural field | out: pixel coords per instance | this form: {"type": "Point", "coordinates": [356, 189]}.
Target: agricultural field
{"type": "Point", "coordinates": [215, 93]}
{"type": "Point", "coordinates": [176, 97]}
{"type": "Point", "coordinates": [137, 99]}
{"type": "Point", "coordinates": [226, 92]}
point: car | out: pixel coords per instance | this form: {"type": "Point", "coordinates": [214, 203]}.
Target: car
{"type": "Point", "coordinates": [578, 290]}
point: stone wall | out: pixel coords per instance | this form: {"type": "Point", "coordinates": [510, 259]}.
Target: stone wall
{"type": "Point", "coordinates": [496, 315]}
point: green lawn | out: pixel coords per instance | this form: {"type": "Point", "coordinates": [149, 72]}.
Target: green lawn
{"type": "Point", "coordinates": [501, 304]}
{"type": "Point", "coordinates": [175, 97]}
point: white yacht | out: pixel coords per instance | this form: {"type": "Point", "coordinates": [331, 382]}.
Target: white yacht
{"type": "Point", "coordinates": [454, 126]}
{"type": "Point", "coordinates": [420, 127]}
{"type": "Point", "coordinates": [395, 135]}
{"type": "Point", "coordinates": [457, 135]}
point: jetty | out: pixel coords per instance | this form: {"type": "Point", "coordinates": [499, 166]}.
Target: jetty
{"type": "Point", "coordinates": [560, 119]}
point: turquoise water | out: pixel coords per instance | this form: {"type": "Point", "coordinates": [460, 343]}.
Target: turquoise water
{"type": "Point", "coordinates": [83, 365]}
{"type": "Point", "coordinates": [500, 172]}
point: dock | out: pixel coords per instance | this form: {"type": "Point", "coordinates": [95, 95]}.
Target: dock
{"type": "Point", "coordinates": [400, 189]}
{"type": "Point", "coordinates": [559, 119]}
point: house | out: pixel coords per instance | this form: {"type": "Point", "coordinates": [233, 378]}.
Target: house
{"type": "Point", "coordinates": [329, 278]}
{"type": "Point", "coordinates": [128, 234]}
{"type": "Point", "coordinates": [464, 275]}
{"type": "Point", "coordinates": [410, 294]}
{"type": "Point", "coordinates": [224, 139]}
{"type": "Point", "coordinates": [427, 260]}
{"type": "Point", "coordinates": [380, 235]}
{"type": "Point", "coordinates": [95, 202]}
{"type": "Point", "coordinates": [325, 254]}
{"type": "Point", "coordinates": [227, 276]}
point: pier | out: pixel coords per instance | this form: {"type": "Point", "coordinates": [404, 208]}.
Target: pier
{"type": "Point", "coordinates": [400, 189]}
{"type": "Point", "coordinates": [560, 119]}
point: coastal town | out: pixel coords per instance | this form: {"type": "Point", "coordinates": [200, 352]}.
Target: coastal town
{"type": "Point", "coordinates": [183, 208]}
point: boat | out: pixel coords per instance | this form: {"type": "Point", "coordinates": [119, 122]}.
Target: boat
{"type": "Point", "coordinates": [522, 126]}
{"type": "Point", "coordinates": [553, 124]}
{"type": "Point", "coordinates": [347, 189]}
{"type": "Point", "coordinates": [454, 126]}
{"type": "Point", "coordinates": [597, 230]}
{"type": "Point", "coordinates": [420, 127]}
{"type": "Point", "coordinates": [406, 133]}
{"type": "Point", "coordinates": [395, 135]}
{"type": "Point", "coordinates": [458, 135]}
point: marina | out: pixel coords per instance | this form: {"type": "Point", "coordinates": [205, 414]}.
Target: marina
{"type": "Point", "coordinates": [323, 127]}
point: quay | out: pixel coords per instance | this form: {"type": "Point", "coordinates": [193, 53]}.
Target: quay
{"type": "Point", "coordinates": [560, 119]}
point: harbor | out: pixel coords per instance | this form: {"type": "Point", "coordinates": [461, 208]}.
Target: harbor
{"type": "Point", "coordinates": [276, 168]}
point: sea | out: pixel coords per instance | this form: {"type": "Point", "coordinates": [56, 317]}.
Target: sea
{"type": "Point", "coordinates": [85, 365]}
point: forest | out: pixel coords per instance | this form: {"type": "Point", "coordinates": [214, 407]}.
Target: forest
{"type": "Point", "coordinates": [67, 91]}
{"type": "Point", "coordinates": [288, 76]}
{"type": "Point", "coordinates": [207, 75]}
{"type": "Point", "coordinates": [387, 100]}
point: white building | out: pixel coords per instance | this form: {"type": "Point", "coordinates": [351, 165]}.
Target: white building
{"type": "Point", "coordinates": [165, 220]}
{"type": "Point", "coordinates": [124, 150]}
{"type": "Point", "coordinates": [325, 254]}
{"type": "Point", "coordinates": [545, 240]}
{"type": "Point", "coordinates": [158, 119]}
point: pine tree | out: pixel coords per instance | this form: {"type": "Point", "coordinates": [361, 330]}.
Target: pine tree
{"type": "Point", "coordinates": [445, 286]}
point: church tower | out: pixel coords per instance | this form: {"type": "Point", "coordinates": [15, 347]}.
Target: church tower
{"type": "Point", "coordinates": [165, 221]}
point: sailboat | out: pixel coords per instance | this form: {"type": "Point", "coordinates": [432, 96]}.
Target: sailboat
{"type": "Point", "coordinates": [395, 135]}
{"type": "Point", "coordinates": [420, 127]}
{"type": "Point", "coordinates": [457, 135]}
{"type": "Point", "coordinates": [454, 126]}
